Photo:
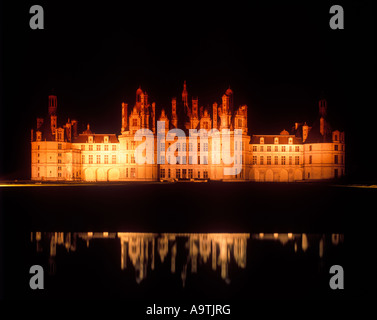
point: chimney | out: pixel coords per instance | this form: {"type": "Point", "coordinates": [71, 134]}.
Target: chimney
{"type": "Point", "coordinates": [154, 117]}
{"type": "Point", "coordinates": [39, 122]}
{"type": "Point", "coordinates": [322, 126]}
{"type": "Point", "coordinates": [214, 109]}
{"type": "Point", "coordinates": [124, 116]}
{"type": "Point", "coordinates": [74, 128]}
{"type": "Point", "coordinates": [195, 108]}
{"type": "Point", "coordinates": [174, 119]}
{"type": "Point", "coordinates": [68, 130]}
{"type": "Point", "coordinates": [305, 131]}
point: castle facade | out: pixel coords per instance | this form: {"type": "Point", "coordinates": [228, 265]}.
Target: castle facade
{"type": "Point", "coordinates": [61, 153]}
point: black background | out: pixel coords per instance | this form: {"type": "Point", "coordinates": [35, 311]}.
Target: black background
{"type": "Point", "coordinates": [277, 58]}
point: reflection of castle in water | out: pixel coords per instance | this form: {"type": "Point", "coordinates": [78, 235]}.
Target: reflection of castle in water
{"type": "Point", "coordinates": [143, 251]}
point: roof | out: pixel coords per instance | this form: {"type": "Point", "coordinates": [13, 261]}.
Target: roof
{"type": "Point", "coordinates": [315, 136]}
{"type": "Point", "coordinates": [97, 138]}
{"type": "Point", "coordinates": [270, 139]}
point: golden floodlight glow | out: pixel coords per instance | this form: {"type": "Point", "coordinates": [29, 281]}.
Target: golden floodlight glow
{"type": "Point", "coordinates": [276, 235]}
{"type": "Point", "coordinates": [90, 234]}
{"type": "Point", "coordinates": [290, 235]}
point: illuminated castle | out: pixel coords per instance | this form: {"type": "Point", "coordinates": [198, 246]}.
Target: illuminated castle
{"type": "Point", "coordinates": [60, 153]}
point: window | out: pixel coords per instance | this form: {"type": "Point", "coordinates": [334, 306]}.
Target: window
{"type": "Point", "coordinates": [290, 160]}
{"type": "Point", "coordinates": [276, 140]}
{"type": "Point", "coordinates": [310, 147]}
{"type": "Point", "coordinates": [184, 172]}
{"type": "Point", "coordinates": [290, 148]}
{"type": "Point", "coordinates": [82, 159]}
{"type": "Point", "coordinates": [205, 174]}
{"type": "Point", "coordinates": [178, 173]}
{"type": "Point", "coordinates": [261, 140]}
{"type": "Point", "coordinates": [239, 123]}
{"type": "Point", "coordinates": [268, 160]}
{"type": "Point", "coordinates": [336, 147]}
{"type": "Point", "coordinates": [261, 148]}
{"type": "Point", "coordinates": [162, 173]}
{"type": "Point", "coordinates": [106, 139]}
{"type": "Point", "coordinates": [59, 154]}
{"type": "Point", "coordinates": [283, 149]}
{"type": "Point", "coordinates": [91, 148]}
{"type": "Point", "coordinates": [90, 158]}
{"type": "Point", "coordinates": [269, 148]}
{"type": "Point", "coordinates": [336, 159]}
{"type": "Point", "coordinates": [59, 174]}
{"type": "Point", "coordinates": [290, 140]}
{"type": "Point", "coordinates": [106, 147]}
{"type": "Point", "coordinates": [59, 168]}
{"type": "Point", "coordinates": [184, 146]}
{"type": "Point", "coordinates": [98, 158]}
{"type": "Point", "coordinates": [198, 174]}
{"type": "Point", "coordinates": [133, 173]}
{"type": "Point", "coordinates": [276, 160]}
{"type": "Point", "coordinates": [297, 160]}
{"type": "Point", "coordinates": [261, 160]}
{"type": "Point", "coordinates": [168, 173]}
{"type": "Point", "coordinates": [134, 122]}
{"type": "Point", "coordinates": [190, 146]}
{"type": "Point", "coordinates": [190, 173]}
{"type": "Point", "coordinates": [106, 160]}
{"type": "Point", "coordinates": [205, 146]}
{"type": "Point", "coordinates": [199, 146]}
{"type": "Point", "coordinates": [98, 147]}
{"type": "Point", "coordinates": [310, 159]}
{"type": "Point", "coordinates": [39, 147]}
{"type": "Point", "coordinates": [127, 158]}
{"type": "Point", "coordinates": [59, 160]}
{"type": "Point", "coordinates": [59, 146]}
{"type": "Point", "coordinates": [114, 147]}
{"type": "Point", "coordinates": [126, 172]}
{"type": "Point", "coordinates": [254, 159]}
{"type": "Point", "coordinates": [283, 160]}
{"type": "Point", "coordinates": [254, 148]}
{"type": "Point", "coordinates": [132, 158]}
{"type": "Point", "coordinates": [297, 148]}
{"type": "Point", "coordinates": [276, 148]}
{"type": "Point", "coordinates": [114, 158]}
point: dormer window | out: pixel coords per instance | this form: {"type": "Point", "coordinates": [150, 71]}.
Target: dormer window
{"type": "Point", "coordinates": [39, 135]}
{"type": "Point", "coordinates": [106, 139]}
{"type": "Point", "coordinates": [261, 140]}
{"type": "Point", "coordinates": [276, 140]}
{"type": "Point", "coordinates": [90, 139]}
{"type": "Point", "coordinates": [290, 141]}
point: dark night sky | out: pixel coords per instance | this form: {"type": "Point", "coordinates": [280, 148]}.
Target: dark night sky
{"type": "Point", "coordinates": [277, 58]}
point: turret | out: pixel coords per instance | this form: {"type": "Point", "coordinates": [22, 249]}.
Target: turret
{"type": "Point", "coordinates": [52, 104]}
